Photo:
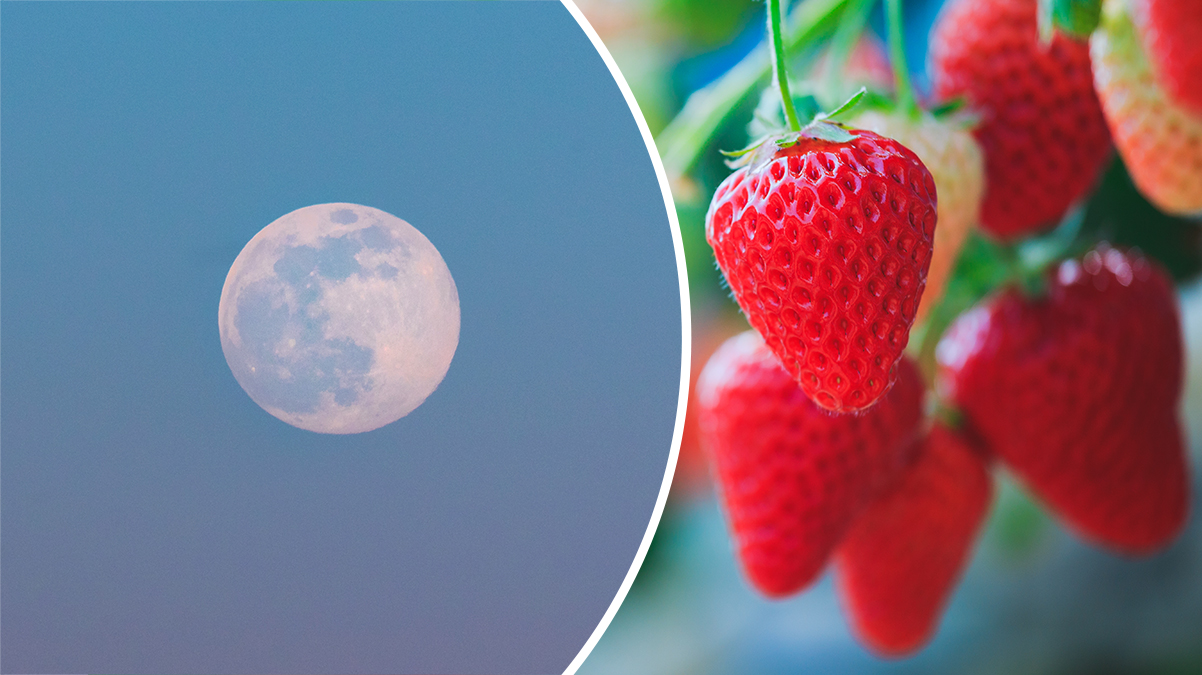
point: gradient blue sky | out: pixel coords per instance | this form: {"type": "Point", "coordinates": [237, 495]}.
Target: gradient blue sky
{"type": "Point", "coordinates": [154, 518]}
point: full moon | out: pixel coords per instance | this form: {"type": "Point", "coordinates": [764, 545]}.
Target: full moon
{"type": "Point", "coordinates": [339, 318]}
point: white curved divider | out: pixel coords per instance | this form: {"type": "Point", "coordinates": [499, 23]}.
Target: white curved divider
{"type": "Point", "coordinates": [686, 337]}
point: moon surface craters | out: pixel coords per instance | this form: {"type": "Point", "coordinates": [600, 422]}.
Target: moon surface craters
{"type": "Point", "coordinates": [339, 318]}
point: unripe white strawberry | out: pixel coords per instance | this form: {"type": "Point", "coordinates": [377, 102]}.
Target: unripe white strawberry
{"type": "Point", "coordinates": [1160, 140]}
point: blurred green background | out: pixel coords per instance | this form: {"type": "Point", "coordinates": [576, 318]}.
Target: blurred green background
{"type": "Point", "coordinates": [1035, 600]}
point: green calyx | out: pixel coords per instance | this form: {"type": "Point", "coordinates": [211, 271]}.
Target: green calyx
{"type": "Point", "coordinates": [821, 126]}
{"type": "Point", "coordinates": [822, 130]}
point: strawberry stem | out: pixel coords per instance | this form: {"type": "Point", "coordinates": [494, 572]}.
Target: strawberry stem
{"type": "Point", "coordinates": [778, 63]}
{"type": "Point", "coordinates": [1028, 278]}
{"type": "Point", "coordinates": [684, 140]}
{"type": "Point", "coordinates": [897, 54]}
{"type": "Point", "coordinates": [924, 354]}
{"type": "Point", "coordinates": [948, 415]}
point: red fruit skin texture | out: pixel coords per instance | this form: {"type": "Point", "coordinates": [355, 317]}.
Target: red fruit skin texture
{"type": "Point", "coordinates": [1041, 127]}
{"type": "Point", "coordinates": [826, 248]}
{"type": "Point", "coordinates": [792, 476]}
{"type": "Point", "coordinates": [1077, 392]}
{"type": "Point", "coordinates": [1171, 32]}
{"type": "Point", "coordinates": [902, 559]}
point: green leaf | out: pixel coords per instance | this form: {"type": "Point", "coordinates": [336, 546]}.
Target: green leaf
{"type": "Point", "coordinates": [949, 107]}
{"type": "Point", "coordinates": [1018, 525]}
{"type": "Point", "coordinates": [826, 131]}
{"type": "Point", "coordinates": [847, 105]}
{"type": "Point", "coordinates": [807, 107]}
{"type": "Point", "coordinates": [1076, 18]}
{"type": "Point", "coordinates": [788, 140]}
{"type": "Point", "coordinates": [876, 100]}
{"type": "Point", "coordinates": [743, 151]}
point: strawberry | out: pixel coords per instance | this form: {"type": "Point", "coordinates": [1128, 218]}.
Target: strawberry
{"type": "Point", "coordinates": [826, 245]}
{"type": "Point", "coordinates": [954, 160]}
{"type": "Point", "coordinates": [902, 558]}
{"type": "Point", "coordinates": [1077, 392]}
{"type": "Point", "coordinates": [1170, 31]}
{"type": "Point", "coordinates": [1160, 140]}
{"type": "Point", "coordinates": [791, 475]}
{"type": "Point", "coordinates": [1041, 128]}
{"type": "Point", "coordinates": [692, 477]}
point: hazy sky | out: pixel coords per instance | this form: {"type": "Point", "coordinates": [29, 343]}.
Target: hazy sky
{"type": "Point", "coordinates": [154, 518]}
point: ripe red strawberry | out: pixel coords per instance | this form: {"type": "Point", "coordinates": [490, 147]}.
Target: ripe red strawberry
{"type": "Point", "coordinates": [1172, 35]}
{"type": "Point", "coordinates": [1042, 131]}
{"type": "Point", "coordinates": [791, 475]}
{"type": "Point", "coordinates": [905, 553]}
{"type": "Point", "coordinates": [826, 247]}
{"type": "Point", "coordinates": [948, 150]}
{"type": "Point", "coordinates": [692, 477]}
{"type": "Point", "coordinates": [1159, 139]}
{"type": "Point", "coordinates": [1077, 391]}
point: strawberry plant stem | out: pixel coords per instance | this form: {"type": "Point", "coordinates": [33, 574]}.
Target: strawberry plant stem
{"type": "Point", "coordinates": [897, 54]}
{"type": "Point", "coordinates": [1026, 277]}
{"type": "Point", "coordinates": [778, 63]}
{"type": "Point", "coordinates": [924, 355]}
{"type": "Point", "coordinates": [689, 133]}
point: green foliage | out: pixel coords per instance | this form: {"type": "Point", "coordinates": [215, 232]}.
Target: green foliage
{"type": "Point", "coordinates": [948, 108]}
{"type": "Point", "coordinates": [1118, 213]}
{"type": "Point", "coordinates": [807, 106]}
{"type": "Point", "coordinates": [847, 106]}
{"type": "Point", "coordinates": [851, 27]}
{"type": "Point", "coordinates": [705, 279]}
{"type": "Point", "coordinates": [1077, 18]}
{"type": "Point", "coordinates": [707, 23]}
{"type": "Point", "coordinates": [684, 140]}
{"type": "Point", "coordinates": [981, 267]}
{"type": "Point", "coordinates": [1018, 523]}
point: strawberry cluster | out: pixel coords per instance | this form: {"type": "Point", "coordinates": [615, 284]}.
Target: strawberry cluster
{"type": "Point", "coordinates": [897, 502]}
{"type": "Point", "coordinates": [827, 442]}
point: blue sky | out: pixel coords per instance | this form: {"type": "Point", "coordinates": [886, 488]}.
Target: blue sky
{"type": "Point", "coordinates": [154, 518]}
